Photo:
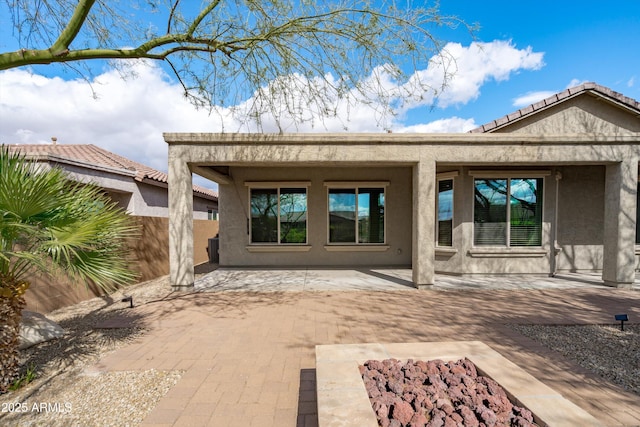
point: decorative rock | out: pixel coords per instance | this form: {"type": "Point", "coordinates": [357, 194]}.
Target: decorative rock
{"type": "Point", "coordinates": [438, 394]}
{"type": "Point", "coordinates": [449, 422]}
{"type": "Point", "coordinates": [402, 412]}
{"type": "Point", "coordinates": [469, 419]}
{"type": "Point", "coordinates": [487, 416]}
{"type": "Point", "coordinates": [36, 328]}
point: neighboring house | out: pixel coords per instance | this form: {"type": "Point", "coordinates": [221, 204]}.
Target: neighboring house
{"type": "Point", "coordinates": [552, 187]}
{"type": "Point", "coordinates": [137, 188]}
{"type": "Point", "coordinates": [140, 190]}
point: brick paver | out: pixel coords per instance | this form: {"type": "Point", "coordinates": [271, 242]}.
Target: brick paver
{"type": "Point", "coordinates": [249, 357]}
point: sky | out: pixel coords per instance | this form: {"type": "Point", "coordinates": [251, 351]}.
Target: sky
{"type": "Point", "coordinates": [521, 53]}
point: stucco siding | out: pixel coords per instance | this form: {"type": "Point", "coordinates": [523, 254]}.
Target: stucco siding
{"type": "Point", "coordinates": [234, 217]}
{"type": "Point", "coordinates": [466, 259]}
{"type": "Point", "coordinates": [418, 159]}
{"type": "Point", "coordinates": [578, 115]}
{"type": "Point", "coordinates": [581, 218]}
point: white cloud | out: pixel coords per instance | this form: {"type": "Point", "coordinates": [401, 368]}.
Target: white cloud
{"type": "Point", "coordinates": [128, 116]}
{"type": "Point", "coordinates": [470, 67]}
{"type": "Point", "coordinates": [574, 83]}
{"type": "Point", "coordinates": [533, 97]}
{"type": "Point", "coordinates": [631, 81]}
{"type": "Point", "coordinates": [450, 125]}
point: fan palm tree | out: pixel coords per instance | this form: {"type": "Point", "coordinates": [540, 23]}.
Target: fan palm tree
{"type": "Point", "coordinates": [51, 224]}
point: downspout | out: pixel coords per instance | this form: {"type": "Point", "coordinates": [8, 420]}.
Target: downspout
{"type": "Point", "coordinates": [555, 249]}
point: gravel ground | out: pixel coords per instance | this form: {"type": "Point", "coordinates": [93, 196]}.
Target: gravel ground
{"type": "Point", "coordinates": [602, 349]}
{"type": "Point", "coordinates": [73, 395]}
{"type": "Point", "coordinates": [65, 392]}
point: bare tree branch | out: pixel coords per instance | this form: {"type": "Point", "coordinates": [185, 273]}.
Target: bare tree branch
{"type": "Point", "coordinates": [227, 51]}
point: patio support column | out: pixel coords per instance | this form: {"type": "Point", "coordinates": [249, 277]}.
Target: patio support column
{"type": "Point", "coordinates": [423, 244]}
{"type": "Point", "coordinates": [621, 182]}
{"type": "Point", "coordinates": [181, 273]}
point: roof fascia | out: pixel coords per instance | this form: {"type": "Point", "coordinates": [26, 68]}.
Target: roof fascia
{"type": "Point", "coordinates": [79, 163]}
{"type": "Point", "coordinates": [164, 185]}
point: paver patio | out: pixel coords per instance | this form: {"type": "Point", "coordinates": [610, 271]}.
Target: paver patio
{"type": "Point", "coordinates": [249, 355]}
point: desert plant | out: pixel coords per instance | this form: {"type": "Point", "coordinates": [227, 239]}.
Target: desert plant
{"type": "Point", "coordinates": [51, 224]}
{"type": "Point", "coordinates": [24, 379]}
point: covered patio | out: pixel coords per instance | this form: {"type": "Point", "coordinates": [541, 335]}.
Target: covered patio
{"type": "Point", "coordinates": [381, 279]}
{"type": "Point", "coordinates": [549, 189]}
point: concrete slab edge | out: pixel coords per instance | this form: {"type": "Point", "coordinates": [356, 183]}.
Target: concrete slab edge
{"type": "Point", "coordinates": [343, 400]}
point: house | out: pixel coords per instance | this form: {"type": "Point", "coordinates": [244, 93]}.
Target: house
{"type": "Point", "coordinates": [552, 187]}
{"type": "Point", "coordinates": [139, 189]}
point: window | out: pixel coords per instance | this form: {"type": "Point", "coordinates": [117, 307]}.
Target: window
{"type": "Point", "coordinates": [212, 214]}
{"type": "Point", "coordinates": [278, 215]}
{"type": "Point", "coordinates": [508, 211]}
{"type": "Point", "coordinates": [445, 212]}
{"type": "Point", "coordinates": [356, 215]}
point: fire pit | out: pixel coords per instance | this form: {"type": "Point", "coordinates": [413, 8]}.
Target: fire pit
{"type": "Point", "coordinates": [343, 400]}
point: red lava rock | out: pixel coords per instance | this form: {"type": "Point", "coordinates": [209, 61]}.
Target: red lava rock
{"type": "Point", "coordinates": [396, 386]}
{"type": "Point", "coordinates": [445, 406]}
{"type": "Point", "coordinates": [456, 417]}
{"type": "Point", "coordinates": [437, 419]}
{"type": "Point", "coordinates": [438, 394]}
{"type": "Point", "coordinates": [449, 422]}
{"type": "Point", "coordinates": [469, 367]}
{"type": "Point", "coordinates": [458, 369]}
{"type": "Point", "coordinates": [521, 422]}
{"type": "Point", "coordinates": [403, 412]}
{"type": "Point", "coordinates": [432, 367]}
{"type": "Point", "coordinates": [523, 412]}
{"type": "Point", "coordinates": [469, 419]}
{"type": "Point", "coordinates": [418, 420]}
{"type": "Point", "coordinates": [487, 416]}
{"type": "Point", "coordinates": [381, 410]}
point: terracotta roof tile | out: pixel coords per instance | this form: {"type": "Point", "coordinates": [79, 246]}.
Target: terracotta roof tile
{"type": "Point", "coordinates": [94, 155]}
{"type": "Point", "coordinates": [557, 98]}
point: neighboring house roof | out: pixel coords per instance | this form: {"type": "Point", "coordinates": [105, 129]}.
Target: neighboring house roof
{"type": "Point", "coordinates": [94, 157]}
{"type": "Point", "coordinates": [591, 88]}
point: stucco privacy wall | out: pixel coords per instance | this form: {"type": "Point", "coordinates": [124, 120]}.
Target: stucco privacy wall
{"type": "Point", "coordinates": [616, 154]}
{"type": "Point", "coordinates": [150, 257]}
{"type": "Point", "coordinates": [234, 238]}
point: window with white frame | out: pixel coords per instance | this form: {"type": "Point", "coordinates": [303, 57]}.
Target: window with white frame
{"type": "Point", "coordinates": [278, 213]}
{"type": "Point", "coordinates": [212, 214]}
{"type": "Point", "coordinates": [507, 211]}
{"type": "Point", "coordinates": [356, 213]}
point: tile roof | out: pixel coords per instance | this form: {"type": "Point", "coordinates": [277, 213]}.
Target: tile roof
{"type": "Point", "coordinates": [592, 88]}
{"type": "Point", "coordinates": [93, 156]}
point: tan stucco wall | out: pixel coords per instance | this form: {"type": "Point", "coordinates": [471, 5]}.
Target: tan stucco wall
{"type": "Point", "coordinates": [577, 115]}
{"type": "Point", "coordinates": [234, 211]}
{"type": "Point", "coordinates": [579, 236]}
{"type": "Point", "coordinates": [581, 218]}
{"type": "Point", "coordinates": [293, 156]}
{"type": "Point", "coordinates": [150, 254]}
{"type": "Point", "coordinates": [463, 258]}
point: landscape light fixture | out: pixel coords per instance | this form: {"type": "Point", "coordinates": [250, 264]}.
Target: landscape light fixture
{"type": "Point", "coordinates": [622, 318]}
{"type": "Point", "coordinates": [129, 299]}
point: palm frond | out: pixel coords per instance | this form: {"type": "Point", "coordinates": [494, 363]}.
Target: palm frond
{"type": "Point", "coordinates": [48, 222]}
